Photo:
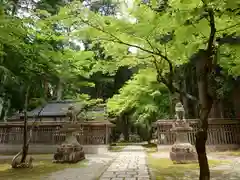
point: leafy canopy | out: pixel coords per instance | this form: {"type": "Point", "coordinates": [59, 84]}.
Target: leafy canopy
{"type": "Point", "coordinates": [173, 33]}
{"type": "Point", "coordinates": [142, 95]}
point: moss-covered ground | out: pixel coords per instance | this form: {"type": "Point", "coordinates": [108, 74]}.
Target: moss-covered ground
{"type": "Point", "coordinates": [42, 166]}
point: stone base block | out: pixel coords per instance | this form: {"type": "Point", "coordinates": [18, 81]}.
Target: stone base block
{"type": "Point", "coordinates": [69, 153]}
{"type": "Point", "coordinates": [183, 153]}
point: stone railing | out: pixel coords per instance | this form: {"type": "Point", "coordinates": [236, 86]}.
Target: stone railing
{"type": "Point", "coordinates": [220, 132]}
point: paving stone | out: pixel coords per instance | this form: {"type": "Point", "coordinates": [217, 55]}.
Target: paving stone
{"type": "Point", "coordinates": [130, 164]}
{"type": "Point", "coordinates": [138, 176]}
{"type": "Point", "coordinates": [121, 172]}
{"type": "Point", "coordinates": [143, 178]}
{"type": "Point", "coordinates": [125, 175]}
{"type": "Point", "coordinates": [131, 172]}
{"type": "Point", "coordinates": [143, 174]}
{"type": "Point", "coordinates": [108, 175]}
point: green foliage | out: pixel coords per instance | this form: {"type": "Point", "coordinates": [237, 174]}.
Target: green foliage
{"type": "Point", "coordinates": [163, 35]}
{"type": "Point", "coordinates": [144, 97]}
{"type": "Point", "coordinates": [39, 51]}
{"type": "Point", "coordinates": [177, 32]}
{"type": "Point", "coordinates": [93, 109]}
{"type": "Point", "coordinates": [36, 55]}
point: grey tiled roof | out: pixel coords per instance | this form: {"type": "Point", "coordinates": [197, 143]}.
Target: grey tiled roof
{"type": "Point", "coordinates": [56, 108]}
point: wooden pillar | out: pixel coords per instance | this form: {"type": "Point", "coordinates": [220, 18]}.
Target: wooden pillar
{"type": "Point", "coordinates": [158, 134]}
{"type": "Point", "coordinates": [106, 134]}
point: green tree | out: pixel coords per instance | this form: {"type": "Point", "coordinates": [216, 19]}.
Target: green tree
{"type": "Point", "coordinates": [166, 35]}
{"type": "Point", "coordinates": [31, 64]}
{"type": "Point", "coordinates": [143, 99]}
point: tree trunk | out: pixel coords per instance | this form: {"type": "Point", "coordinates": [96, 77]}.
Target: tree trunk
{"type": "Point", "coordinates": [201, 138]}
{"type": "Point", "coordinates": [150, 135]}
{"type": "Point", "coordinates": [59, 90]}
{"type": "Point", "coordinates": [25, 128]}
{"type": "Point", "coordinates": [46, 89]}
{"type": "Point", "coordinates": [2, 112]}
{"type": "Point", "coordinates": [15, 7]}
{"type": "Point", "coordinates": [205, 108]}
{"type": "Point", "coordinates": [5, 108]}
{"type": "Point", "coordinates": [125, 127]}
{"type": "Point", "coordinates": [8, 105]}
{"type": "Point", "coordinates": [171, 106]}
{"type": "Point", "coordinates": [216, 111]}
{"type": "Point", "coordinates": [185, 100]}
{"type": "Point", "coordinates": [1, 106]}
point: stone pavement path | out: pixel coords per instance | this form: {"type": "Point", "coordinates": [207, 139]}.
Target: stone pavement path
{"type": "Point", "coordinates": [130, 164]}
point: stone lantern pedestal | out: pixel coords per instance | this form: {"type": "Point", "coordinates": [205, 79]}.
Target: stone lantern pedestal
{"type": "Point", "coordinates": [70, 151]}
{"type": "Point", "coordinates": [182, 151]}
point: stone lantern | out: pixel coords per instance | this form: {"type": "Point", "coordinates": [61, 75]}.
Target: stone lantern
{"type": "Point", "coordinates": [70, 151]}
{"type": "Point", "coordinates": [182, 151]}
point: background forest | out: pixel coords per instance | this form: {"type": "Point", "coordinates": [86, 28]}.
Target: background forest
{"type": "Point", "coordinates": [41, 54]}
{"type": "Point", "coordinates": [137, 56]}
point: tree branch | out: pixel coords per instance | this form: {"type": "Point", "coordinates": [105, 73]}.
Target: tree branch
{"type": "Point", "coordinates": [212, 32]}
{"type": "Point", "coordinates": [228, 40]}
{"type": "Point", "coordinates": [162, 56]}
{"type": "Point", "coordinates": [139, 57]}
{"type": "Point", "coordinates": [229, 27]}
{"type": "Point", "coordinates": [117, 40]}
{"type": "Point", "coordinates": [211, 20]}
{"type": "Point", "coordinates": [169, 84]}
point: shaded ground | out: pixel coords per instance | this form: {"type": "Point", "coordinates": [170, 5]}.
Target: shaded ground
{"type": "Point", "coordinates": [89, 169]}
{"type": "Point", "coordinates": [229, 153]}
{"type": "Point", "coordinates": [150, 147]}
{"type": "Point", "coordinates": [116, 148]}
{"type": "Point", "coordinates": [222, 167]}
{"type": "Point", "coordinates": [230, 171]}
{"type": "Point", "coordinates": [94, 168]}
{"type": "Point", "coordinates": [130, 160]}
